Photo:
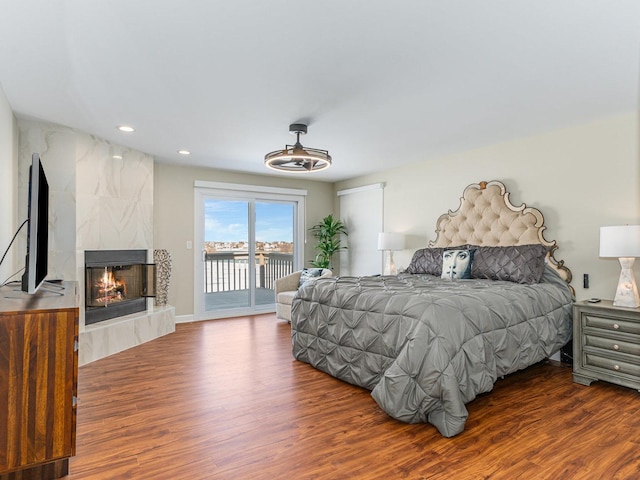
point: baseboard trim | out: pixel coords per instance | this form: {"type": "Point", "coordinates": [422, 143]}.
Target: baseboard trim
{"type": "Point", "coordinates": [184, 318]}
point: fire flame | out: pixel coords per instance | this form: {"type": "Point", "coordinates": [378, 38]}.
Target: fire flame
{"type": "Point", "coordinates": [109, 288]}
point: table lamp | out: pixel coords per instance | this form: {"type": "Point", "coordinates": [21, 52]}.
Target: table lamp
{"type": "Point", "coordinates": [623, 242]}
{"type": "Point", "coordinates": [390, 241]}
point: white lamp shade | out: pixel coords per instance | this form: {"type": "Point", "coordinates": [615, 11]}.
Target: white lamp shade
{"type": "Point", "coordinates": [620, 241]}
{"type": "Point", "coordinates": [390, 241]}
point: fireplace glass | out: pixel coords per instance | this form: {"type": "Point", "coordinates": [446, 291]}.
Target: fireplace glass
{"type": "Point", "coordinates": [117, 283]}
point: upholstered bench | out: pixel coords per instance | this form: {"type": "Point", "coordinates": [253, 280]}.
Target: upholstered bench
{"type": "Point", "coordinates": [287, 286]}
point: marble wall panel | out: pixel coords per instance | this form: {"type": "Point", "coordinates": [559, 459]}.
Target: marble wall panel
{"type": "Point", "coordinates": [62, 261]}
{"type": "Point", "coordinates": [122, 224]}
{"type": "Point", "coordinates": [57, 148]}
{"type": "Point", "coordinates": [115, 196]}
{"type": "Point", "coordinates": [87, 222]}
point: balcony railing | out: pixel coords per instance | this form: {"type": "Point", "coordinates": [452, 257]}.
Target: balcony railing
{"type": "Point", "coordinates": [228, 271]}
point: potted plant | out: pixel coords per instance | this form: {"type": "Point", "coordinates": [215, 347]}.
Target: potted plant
{"type": "Point", "coordinates": [327, 233]}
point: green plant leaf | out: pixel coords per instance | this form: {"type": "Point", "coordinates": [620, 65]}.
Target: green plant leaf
{"type": "Point", "coordinates": [328, 232]}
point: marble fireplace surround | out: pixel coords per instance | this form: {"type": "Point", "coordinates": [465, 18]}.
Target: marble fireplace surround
{"type": "Point", "coordinates": [111, 336]}
{"type": "Point", "coordinates": [101, 198]}
{"type": "Point", "coordinates": [106, 337]}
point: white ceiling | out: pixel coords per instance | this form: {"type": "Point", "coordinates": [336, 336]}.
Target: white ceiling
{"type": "Point", "coordinates": [380, 82]}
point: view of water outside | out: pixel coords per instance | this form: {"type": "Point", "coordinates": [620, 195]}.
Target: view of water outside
{"type": "Point", "coordinates": [227, 246]}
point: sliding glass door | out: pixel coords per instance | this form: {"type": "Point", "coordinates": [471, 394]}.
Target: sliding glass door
{"type": "Point", "coordinates": [226, 253]}
{"type": "Point", "coordinates": [274, 247]}
{"type": "Point", "coordinates": [247, 240]}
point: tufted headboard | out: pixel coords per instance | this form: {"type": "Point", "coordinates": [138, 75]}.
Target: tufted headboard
{"type": "Point", "coordinates": [486, 217]}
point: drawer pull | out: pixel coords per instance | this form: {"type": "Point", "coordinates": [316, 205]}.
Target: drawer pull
{"type": "Point", "coordinates": [616, 367]}
{"type": "Point", "coordinates": [616, 347]}
{"type": "Point", "coordinates": [616, 326]}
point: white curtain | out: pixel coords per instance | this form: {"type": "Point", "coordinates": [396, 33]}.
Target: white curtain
{"type": "Point", "coordinates": [361, 210]}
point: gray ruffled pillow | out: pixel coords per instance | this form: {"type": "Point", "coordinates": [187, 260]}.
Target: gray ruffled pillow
{"type": "Point", "coordinates": [426, 260]}
{"type": "Point", "coordinates": [518, 263]}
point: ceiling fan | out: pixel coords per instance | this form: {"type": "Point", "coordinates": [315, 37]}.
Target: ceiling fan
{"type": "Point", "coordinates": [296, 158]}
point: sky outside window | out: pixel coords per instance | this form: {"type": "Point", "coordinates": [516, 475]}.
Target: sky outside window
{"type": "Point", "coordinates": [227, 221]}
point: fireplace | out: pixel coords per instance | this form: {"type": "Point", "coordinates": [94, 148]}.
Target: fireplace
{"type": "Point", "coordinates": [117, 283]}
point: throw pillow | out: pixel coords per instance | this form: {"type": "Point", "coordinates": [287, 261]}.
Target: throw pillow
{"type": "Point", "coordinates": [308, 274]}
{"type": "Point", "coordinates": [429, 260]}
{"type": "Point", "coordinates": [457, 263]}
{"type": "Point", "coordinates": [519, 263]}
{"type": "Point", "coordinates": [426, 260]}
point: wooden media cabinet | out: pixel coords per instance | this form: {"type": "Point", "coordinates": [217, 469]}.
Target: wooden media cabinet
{"type": "Point", "coordinates": [38, 382]}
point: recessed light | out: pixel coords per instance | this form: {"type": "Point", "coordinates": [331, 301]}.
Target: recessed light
{"type": "Point", "coordinates": [184, 152]}
{"type": "Point", "coordinates": [117, 157]}
{"type": "Point", "coordinates": [126, 128]}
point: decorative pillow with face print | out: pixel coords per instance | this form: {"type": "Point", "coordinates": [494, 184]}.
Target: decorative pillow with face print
{"type": "Point", "coordinates": [457, 263]}
{"type": "Point", "coordinates": [429, 260]}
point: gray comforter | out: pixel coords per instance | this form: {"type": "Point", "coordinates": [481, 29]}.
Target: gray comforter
{"type": "Point", "coordinates": [425, 346]}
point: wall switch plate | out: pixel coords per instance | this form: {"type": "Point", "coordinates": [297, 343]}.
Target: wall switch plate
{"type": "Point", "coordinates": [189, 244]}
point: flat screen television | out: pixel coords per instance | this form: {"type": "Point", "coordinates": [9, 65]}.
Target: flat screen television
{"type": "Point", "coordinates": [37, 257]}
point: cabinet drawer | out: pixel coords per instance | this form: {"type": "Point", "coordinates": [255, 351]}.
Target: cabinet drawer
{"type": "Point", "coordinates": [612, 365]}
{"type": "Point", "coordinates": [612, 345]}
{"type": "Point", "coordinates": [610, 324]}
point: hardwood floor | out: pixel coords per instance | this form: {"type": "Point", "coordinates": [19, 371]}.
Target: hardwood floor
{"type": "Point", "coordinates": [225, 399]}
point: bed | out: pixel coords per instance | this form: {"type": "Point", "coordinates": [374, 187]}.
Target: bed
{"type": "Point", "coordinates": [425, 345]}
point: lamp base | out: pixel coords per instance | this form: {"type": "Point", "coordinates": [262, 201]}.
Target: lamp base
{"type": "Point", "coordinates": [390, 266]}
{"type": "Point", "coordinates": [627, 291]}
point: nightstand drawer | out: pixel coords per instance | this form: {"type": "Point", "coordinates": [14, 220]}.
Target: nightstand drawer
{"type": "Point", "coordinates": [612, 345]}
{"type": "Point", "coordinates": [612, 365]}
{"type": "Point", "coordinates": [606, 344]}
{"type": "Point", "coordinates": [610, 323]}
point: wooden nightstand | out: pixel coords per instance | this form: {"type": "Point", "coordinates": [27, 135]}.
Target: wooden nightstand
{"type": "Point", "coordinates": [606, 344]}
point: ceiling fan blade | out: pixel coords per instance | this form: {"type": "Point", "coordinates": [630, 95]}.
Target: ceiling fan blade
{"type": "Point", "coordinates": [286, 161]}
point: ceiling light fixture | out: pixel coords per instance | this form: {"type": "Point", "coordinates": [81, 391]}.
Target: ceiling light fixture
{"type": "Point", "coordinates": [184, 152]}
{"type": "Point", "coordinates": [126, 128]}
{"type": "Point", "coordinates": [296, 158]}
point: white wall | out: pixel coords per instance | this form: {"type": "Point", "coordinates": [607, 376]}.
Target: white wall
{"type": "Point", "coordinates": [8, 185]}
{"type": "Point", "coordinates": [581, 178]}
